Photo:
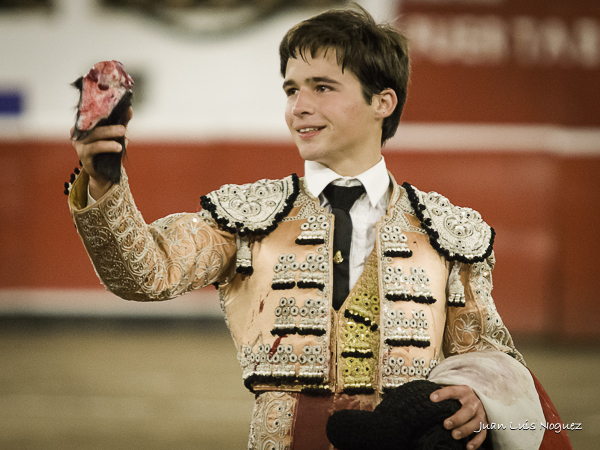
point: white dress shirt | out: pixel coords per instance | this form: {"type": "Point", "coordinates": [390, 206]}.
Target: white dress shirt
{"type": "Point", "coordinates": [366, 211]}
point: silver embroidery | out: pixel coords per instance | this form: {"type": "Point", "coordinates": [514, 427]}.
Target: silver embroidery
{"type": "Point", "coordinates": [395, 242]}
{"type": "Point", "coordinates": [150, 262]}
{"type": "Point", "coordinates": [403, 330]}
{"type": "Point", "coordinates": [308, 206]}
{"type": "Point", "coordinates": [478, 326]}
{"type": "Point", "coordinates": [397, 284]}
{"type": "Point", "coordinates": [314, 316]}
{"type": "Point", "coordinates": [253, 206]}
{"type": "Point", "coordinates": [311, 318]}
{"type": "Point", "coordinates": [314, 271]}
{"type": "Point", "coordinates": [420, 282]}
{"type": "Point", "coordinates": [456, 294]}
{"type": "Point", "coordinates": [396, 328]}
{"type": "Point", "coordinates": [407, 287]}
{"type": "Point", "coordinates": [399, 370]}
{"type": "Point", "coordinates": [461, 231]}
{"type": "Point", "coordinates": [314, 231]}
{"type": "Point", "coordinates": [280, 362]}
{"type": "Point", "coordinates": [272, 421]}
{"type": "Point", "coordinates": [243, 262]}
{"type": "Point", "coordinates": [312, 363]}
{"type": "Point", "coordinates": [285, 272]}
{"type": "Point", "coordinates": [285, 316]}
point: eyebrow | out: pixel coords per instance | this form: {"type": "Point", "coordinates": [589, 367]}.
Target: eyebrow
{"type": "Point", "coordinates": [313, 80]}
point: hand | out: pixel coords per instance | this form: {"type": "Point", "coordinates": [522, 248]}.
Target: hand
{"type": "Point", "coordinates": [99, 141]}
{"type": "Point", "coordinates": [469, 418]}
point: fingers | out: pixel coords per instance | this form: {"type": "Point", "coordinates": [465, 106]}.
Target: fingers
{"type": "Point", "coordinates": [105, 133]}
{"type": "Point", "coordinates": [100, 140]}
{"type": "Point", "coordinates": [477, 441]}
{"type": "Point", "coordinates": [467, 428]}
{"type": "Point", "coordinates": [469, 418]}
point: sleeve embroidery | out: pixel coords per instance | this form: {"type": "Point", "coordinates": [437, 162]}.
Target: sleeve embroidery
{"type": "Point", "coordinates": [136, 261]}
{"type": "Point", "coordinates": [478, 326]}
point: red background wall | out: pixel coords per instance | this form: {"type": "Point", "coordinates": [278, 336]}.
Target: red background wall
{"type": "Point", "coordinates": [545, 209]}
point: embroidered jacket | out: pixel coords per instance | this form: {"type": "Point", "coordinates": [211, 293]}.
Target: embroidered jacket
{"type": "Point", "coordinates": [425, 291]}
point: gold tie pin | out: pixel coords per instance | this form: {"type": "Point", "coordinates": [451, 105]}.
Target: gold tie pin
{"type": "Point", "coordinates": [338, 258]}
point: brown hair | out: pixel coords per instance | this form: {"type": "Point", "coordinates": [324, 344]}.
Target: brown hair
{"type": "Point", "coordinates": [376, 53]}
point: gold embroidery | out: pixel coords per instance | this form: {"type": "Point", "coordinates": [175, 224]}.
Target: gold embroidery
{"type": "Point", "coordinates": [359, 332]}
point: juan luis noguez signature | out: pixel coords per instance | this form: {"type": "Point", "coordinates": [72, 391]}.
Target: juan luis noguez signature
{"type": "Point", "coordinates": [557, 427]}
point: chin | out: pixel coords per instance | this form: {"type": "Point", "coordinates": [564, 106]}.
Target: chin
{"type": "Point", "coordinates": [310, 153]}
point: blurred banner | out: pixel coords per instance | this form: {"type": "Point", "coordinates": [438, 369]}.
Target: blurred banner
{"type": "Point", "coordinates": [507, 61]}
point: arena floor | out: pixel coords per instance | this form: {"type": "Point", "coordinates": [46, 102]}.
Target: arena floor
{"type": "Point", "coordinates": [106, 384]}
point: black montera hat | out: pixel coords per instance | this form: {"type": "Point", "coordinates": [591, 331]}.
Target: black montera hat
{"type": "Point", "coordinates": [405, 419]}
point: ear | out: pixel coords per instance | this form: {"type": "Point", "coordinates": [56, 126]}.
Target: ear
{"type": "Point", "coordinates": [385, 103]}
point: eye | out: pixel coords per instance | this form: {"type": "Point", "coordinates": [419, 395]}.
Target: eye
{"type": "Point", "coordinates": [290, 91]}
{"type": "Point", "coordinates": [323, 88]}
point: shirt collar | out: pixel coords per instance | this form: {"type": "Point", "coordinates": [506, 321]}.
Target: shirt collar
{"type": "Point", "coordinates": [375, 180]}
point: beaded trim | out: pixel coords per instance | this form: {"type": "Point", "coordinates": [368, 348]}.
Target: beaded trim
{"type": "Point", "coordinates": [456, 294]}
{"type": "Point", "coordinates": [397, 371]}
{"type": "Point", "coordinates": [402, 330]}
{"type": "Point", "coordinates": [252, 209]}
{"type": "Point", "coordinates": [278, 363]}
{"type": "Point", "coordinates": [243, 263]}
{"type": "Point", "coordinates": [285, 272]}
{"type": "Point", "coordinates": [395, 243]}
{"type": "Point", "coordinates": [460, 234]}
{"type": "Point", "coordinates": [313, 272]}
{"type": "Point", "coordinates": [398, 285]}
{"type": "Point", "coordinates": [313, 231]}
{"type": "Point", "coordinates": [308, 319]}
{"type": "Point", "coordinates": [69, 184]}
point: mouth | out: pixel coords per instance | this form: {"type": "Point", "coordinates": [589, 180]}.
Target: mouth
{"type": "Point", "coordinates": [306, 132]}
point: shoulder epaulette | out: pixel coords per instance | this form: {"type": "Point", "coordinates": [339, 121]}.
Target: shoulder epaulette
{"type": "Point", "coordinates": [460, 234]}
{"type": "Point", "coordinates": [252, 209]}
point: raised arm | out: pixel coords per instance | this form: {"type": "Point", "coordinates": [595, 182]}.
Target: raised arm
{"type": "Point", "coordinates": [134, 260]}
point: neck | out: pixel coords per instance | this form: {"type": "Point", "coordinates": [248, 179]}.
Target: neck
{"type": "Point", "coordinates": [354, 166]}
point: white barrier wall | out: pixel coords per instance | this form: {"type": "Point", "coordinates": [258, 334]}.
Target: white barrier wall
{"type": "Point", "coordinates": [193, 87]}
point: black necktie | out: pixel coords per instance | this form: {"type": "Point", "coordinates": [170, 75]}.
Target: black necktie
{"type": "Point", "coordinates": [341, 199]}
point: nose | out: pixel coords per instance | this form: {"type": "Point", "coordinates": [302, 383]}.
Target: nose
{"type": "Point", "coordinates": [302, 104]}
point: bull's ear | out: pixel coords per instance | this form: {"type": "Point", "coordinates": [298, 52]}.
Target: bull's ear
{"type": "Point", "coordinates": [78, 83]}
